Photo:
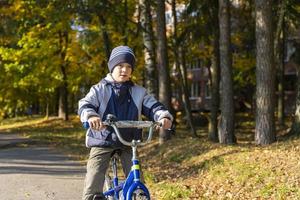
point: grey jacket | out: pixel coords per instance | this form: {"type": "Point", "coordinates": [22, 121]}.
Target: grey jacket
{"type": "Point", "coordinates": [126, 101]}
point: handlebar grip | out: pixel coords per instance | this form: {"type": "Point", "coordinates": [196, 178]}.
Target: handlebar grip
{"type": "Point", "coordinates": [85, 125]}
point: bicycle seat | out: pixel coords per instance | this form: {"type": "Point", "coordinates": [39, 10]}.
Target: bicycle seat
{"type": "Point", "coordinates": [116, 152]}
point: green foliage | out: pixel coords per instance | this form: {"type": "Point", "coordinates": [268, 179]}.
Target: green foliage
{"type": "Point", "coordinates": [293, 13]}
{"type": "Point", "coordinates": [244, 70]}
{"type": "Point", "coordinates": [31, 49]}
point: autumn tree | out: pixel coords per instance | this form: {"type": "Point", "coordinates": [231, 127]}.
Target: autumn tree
{"type": "Point", "coordinates": [295, 128]}
{"type": "Point", "coordinates": [291, 24]}
{"type": "Point", "coordinates": [203, 38]}
{"type": "Point", "coordinates": [265, 74]}
{"type": "Point", "coordinates": [226, 124]}
{"type": "Point", "coordinates": [149, 47]}
{"type": "Point", "coordinates": [91, 8]}
{"type": "Point", "coordinates": [183, 86]}
{"type": "Point", "coordinates": [279, 58]}
{"type": "Point", "coordinates": [163, 64]}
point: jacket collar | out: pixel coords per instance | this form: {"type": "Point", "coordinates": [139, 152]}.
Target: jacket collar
{"type": "Point", "coordinates": [108, 80]}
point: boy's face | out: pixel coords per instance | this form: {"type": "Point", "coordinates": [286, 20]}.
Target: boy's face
{"type": "Point", "coordinates": [122, 72]}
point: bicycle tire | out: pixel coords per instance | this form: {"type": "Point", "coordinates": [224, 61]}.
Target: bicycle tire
{"type": "Point", "coordinates": [139, 194]}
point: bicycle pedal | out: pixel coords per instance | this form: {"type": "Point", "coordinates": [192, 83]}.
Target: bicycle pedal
{"type": "Point", "coordinates": [99, 197]}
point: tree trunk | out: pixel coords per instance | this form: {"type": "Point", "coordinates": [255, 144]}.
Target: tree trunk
{"type": "Point", "coordinates": [183, 70]}
{"type": "Point", "coordinates": [63, 89]}
{"type": "Point", "coordinates": [124, 24]}
{"type": "Point", "coordinates": [179, 68]}
{"type": "Point", "coordinates": [226, 125]}
{"type": "Point", "coordinates": [72, 103]}
{"type": "Point", "coordinates": [105, 36]}
{"type": "Point", "coordinates": [149, 50]}
{"type": "Point", "coordinates": [163, 64]}
{"type": "Point", "coordinates": [62, 104]}
{"type": "Point", "coordinates": [47, 110]}
{"type": "Point", "coordinates": [215, 87]}
{"type": "Point", "coordinates": [279, 61]}
{"type": "Point", "coordinates": [265, 73]}
{"type": "Point", "coordinates": [185, 93]}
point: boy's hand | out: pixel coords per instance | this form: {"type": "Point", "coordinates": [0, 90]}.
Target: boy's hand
{"type": "Point", "coordinates": [165, 123]}
{"type": "Point", "coordinates": [96, 123]}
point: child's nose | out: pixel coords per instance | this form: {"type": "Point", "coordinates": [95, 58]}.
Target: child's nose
{"type": "Point", "coordinates": [124, 69]}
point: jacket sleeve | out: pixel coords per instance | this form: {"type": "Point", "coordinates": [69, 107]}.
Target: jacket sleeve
{"type": "Point", "coordinates": [89, 105]}
{"type": "Point", "coordinates": [154, 110]}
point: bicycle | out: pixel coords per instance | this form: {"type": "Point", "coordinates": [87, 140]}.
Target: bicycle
{"type": "Point", "coordinates": [132, 188]}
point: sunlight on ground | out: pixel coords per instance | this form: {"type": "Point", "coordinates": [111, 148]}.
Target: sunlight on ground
{"type": "Point", "coordinates": [20, 122]}
{"type": "Point", "coordinates": [191, 168]}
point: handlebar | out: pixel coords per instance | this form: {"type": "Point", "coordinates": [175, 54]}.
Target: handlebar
{"type": "Point", "coordinates": [129, 124]}
{"type": "Point", "coordinates": [126, 124]}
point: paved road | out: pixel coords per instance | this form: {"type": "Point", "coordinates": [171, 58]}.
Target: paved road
{"type": "Point", "coordinates": [38, 173]}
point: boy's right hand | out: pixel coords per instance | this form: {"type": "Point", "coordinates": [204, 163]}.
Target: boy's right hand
{"type": "Point", "coordinates": [96, 123]}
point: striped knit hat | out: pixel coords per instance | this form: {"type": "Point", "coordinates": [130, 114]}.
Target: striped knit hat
{"type": "Point", "coordinates": [121, 54]}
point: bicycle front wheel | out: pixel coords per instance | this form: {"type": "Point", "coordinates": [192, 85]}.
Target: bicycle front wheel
{"type": "Point", "coordinates": [139, 194]}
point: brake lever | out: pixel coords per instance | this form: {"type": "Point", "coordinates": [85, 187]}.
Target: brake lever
{"type": "Point", "coordinates": [110, 118]}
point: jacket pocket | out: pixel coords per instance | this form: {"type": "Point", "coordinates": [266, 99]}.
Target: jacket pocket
{"type": "Point", "coordinates": [96, 138]}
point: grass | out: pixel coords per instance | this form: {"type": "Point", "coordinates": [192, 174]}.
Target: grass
{"type": "Point", "coordinates": [67, 136]}
{"type": "Point", "coordinates": [191, 168]}
{"type": "Point", "coordinates": [14, 123]}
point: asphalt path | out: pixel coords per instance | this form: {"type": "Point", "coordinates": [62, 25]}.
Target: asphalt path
{"type": "Point", "coordinates": [37, 173]}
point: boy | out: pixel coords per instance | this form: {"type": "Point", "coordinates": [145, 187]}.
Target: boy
{"type": "Point", "coordinates": [115, 94]}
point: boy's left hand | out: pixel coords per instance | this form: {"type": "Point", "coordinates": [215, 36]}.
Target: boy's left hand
{"type": "Point", "coordinates": [165, 123]}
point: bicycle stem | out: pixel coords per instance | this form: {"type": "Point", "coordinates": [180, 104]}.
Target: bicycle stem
{"type": "Point", "coordinates": [134, 155]}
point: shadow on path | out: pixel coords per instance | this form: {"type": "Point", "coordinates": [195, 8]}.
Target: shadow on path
{"type": "Point", "coordinates": [34, 172]}
{"type": "Point", "coordinates": [37, 160]}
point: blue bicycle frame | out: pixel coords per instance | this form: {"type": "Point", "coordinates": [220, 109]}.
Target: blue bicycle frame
{"type": "Point", "coordinates": [133, 181]}
{"type": "Point", "coordinates": [131, 184]}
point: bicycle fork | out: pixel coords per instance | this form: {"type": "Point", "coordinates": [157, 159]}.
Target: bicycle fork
{"type": "Point", "coordinates": [115, 180]}
{"type": "Point", "coordinates": [113, 183]}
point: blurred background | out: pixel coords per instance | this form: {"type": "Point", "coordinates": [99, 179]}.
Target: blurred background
{"type": "Point", "coordinates": [200, 58]}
